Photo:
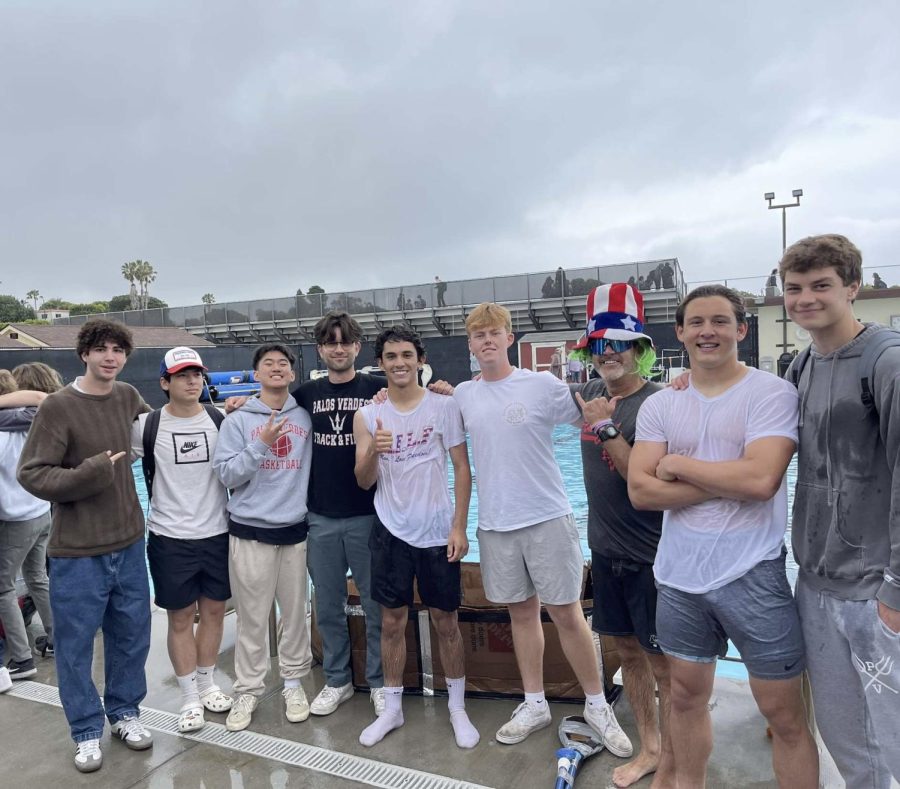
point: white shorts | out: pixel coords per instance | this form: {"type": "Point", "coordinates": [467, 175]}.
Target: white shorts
{"type": "Point", "coordinates": [544, 558]}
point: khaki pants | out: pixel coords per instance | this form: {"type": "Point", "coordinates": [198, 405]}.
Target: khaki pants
{"type": "Point", "coordinates": [261, 574]}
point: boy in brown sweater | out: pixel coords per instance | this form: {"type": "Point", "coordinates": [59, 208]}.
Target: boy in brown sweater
{"type": "Point", "coordinates": [76, 457]}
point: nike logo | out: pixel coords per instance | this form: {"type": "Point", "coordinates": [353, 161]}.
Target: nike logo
{"type": "Point", "coordinates": [188, 446]}
{"type": "Point", "coordinates": [789, 667]}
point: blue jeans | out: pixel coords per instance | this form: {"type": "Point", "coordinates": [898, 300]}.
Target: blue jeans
{"type": "Point", "coordinates": [109, 591]}
{"type": "Point", "coordinates": [333, 545]}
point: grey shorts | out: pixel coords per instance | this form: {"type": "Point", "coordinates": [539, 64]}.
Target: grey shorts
{"type": "Point", "coordinates": [756, 611]}
{"type": "Point", "coordinates": [544, 558]}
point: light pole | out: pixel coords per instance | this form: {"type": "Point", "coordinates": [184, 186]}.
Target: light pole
{"type": "Point", "coordinates": [769, 197]}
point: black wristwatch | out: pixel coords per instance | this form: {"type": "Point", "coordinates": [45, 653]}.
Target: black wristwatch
{"type": "Point", "coordinates": [607, 432]}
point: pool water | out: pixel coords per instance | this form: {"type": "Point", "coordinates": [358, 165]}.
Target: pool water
{"type": "Point", "coordinates": [567, 448]}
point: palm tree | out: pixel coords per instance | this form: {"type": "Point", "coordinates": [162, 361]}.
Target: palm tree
{"type": "Point", "coordinates": [34, 295]}
{"type": "Point", "coordinates": [144, 274]}
{"type": "Point", "coordinates": [208, 298]}
{"type": "Point", "coordinates": [130, 271]}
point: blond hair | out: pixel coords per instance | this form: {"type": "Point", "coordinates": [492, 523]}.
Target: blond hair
{"type": "Point", "coordinates": [7, 382]}
{"type": "Point", "coordinates": [488, 314]}
{"type": "Point", "coordinates": [37, 377]}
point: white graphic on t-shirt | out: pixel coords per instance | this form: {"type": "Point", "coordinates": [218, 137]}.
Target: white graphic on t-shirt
{"type": "Point", "coordinates": [337, 422]}
{"type": "Point", "coordinates": [875, 671]}
{"type": "Point", "coordinates": [515, 413]}
{"type": "Point", "coordinates": [190, 448]}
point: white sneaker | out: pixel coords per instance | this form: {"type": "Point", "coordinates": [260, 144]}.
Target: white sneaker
{"type": "Point", "coordinates": [296, 707]}
{"type": "Point", "coordinates": [603, 721]}
{"type": "Point", "coordinates": [88, 756]}
{"type": "Point", "coordinates": [526, 718]}
{"type": "Point", "coordinates": [376, 695]}
{"type": "Point", "coordinates": [241, 712]}
{"type": "Point", "coordinates": [5, 680]}
{"type": "Point", "coordinates": [329, 699]}
{"type": "Point", "coordinates": [132, 733]}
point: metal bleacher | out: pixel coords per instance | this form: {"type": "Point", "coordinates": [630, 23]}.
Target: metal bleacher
{"type": "Point", "coordinates": [542, 301]}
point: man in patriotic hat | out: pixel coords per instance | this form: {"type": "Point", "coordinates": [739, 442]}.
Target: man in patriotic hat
{"type": "Point", "coordinates": [622, 539]}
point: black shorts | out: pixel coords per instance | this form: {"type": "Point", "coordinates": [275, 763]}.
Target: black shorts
{"type": "Point", "coordinates": [396, 563]}
{"type": "Point", "coordinates": [185, 570]}
{"type": "Point", "coordinates": [625, 600]}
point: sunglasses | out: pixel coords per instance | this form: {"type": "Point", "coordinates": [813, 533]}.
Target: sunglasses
{"type": "Point", "coordinates": [600, 344]}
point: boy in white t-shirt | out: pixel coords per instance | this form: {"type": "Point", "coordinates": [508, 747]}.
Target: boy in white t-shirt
{"type": "Point", "coordinates": [419, 534]}
{"type": "Point", "coordinates": [530, 549]}
{"type": "Point", "coordinates": [187, 547]}
{"type": "Point", "coordinates": [714, 457]}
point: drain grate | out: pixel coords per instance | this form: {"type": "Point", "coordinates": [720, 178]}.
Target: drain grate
{"type": "Point", "coordinates": [295, 754]}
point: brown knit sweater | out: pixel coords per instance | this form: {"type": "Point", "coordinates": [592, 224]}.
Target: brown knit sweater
{"type": "Point", "coordinates": [64, 461]}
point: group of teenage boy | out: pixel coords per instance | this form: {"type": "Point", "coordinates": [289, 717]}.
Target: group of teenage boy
{"type": "Point", "coordinates": [687, 512]}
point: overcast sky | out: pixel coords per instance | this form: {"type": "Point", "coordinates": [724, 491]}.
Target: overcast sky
{"type": "Point", "coordinates": [248, 149]}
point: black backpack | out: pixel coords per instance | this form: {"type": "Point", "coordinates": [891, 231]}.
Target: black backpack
{"type": "Point", "coordinates": [151, 428]}
{"type": "Point", "coordinates": [885, 338]}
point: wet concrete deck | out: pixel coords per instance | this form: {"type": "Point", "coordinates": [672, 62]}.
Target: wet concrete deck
{"type": "Point", "coordinates": [37, 751]}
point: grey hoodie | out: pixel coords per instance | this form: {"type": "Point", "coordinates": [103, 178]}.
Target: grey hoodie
{"type": "Point", "coordinates": [846, 521]}
{"type": "Point", "coordinates": [269, 482]}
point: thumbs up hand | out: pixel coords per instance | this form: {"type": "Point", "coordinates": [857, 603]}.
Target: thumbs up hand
{"type": "Point", "coordinates": [384, 439]}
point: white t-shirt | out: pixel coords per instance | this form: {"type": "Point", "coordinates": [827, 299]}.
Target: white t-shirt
{"type": "Point", "coordinates": [705, 546]}
{"type": "Point", "coordinates": [412, 499]}
{"type": "Point", "coordinates": [511, 424]}
{"type": "Point", "coordinates": [188, 499]}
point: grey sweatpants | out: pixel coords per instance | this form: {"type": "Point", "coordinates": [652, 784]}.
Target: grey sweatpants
{"type": "Point", "coordinates": [853, 662]}
{"type": "Point", "coordinates": [23, 544]}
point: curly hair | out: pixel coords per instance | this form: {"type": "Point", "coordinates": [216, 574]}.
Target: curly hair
{"type": "Point", "coordinates": [99, 331]}
{"type": "Point", "coordinates": [399, 334]}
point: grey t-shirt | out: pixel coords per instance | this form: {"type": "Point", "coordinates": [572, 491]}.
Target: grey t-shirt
{"type": "Point", "coordinates": [616, 530]}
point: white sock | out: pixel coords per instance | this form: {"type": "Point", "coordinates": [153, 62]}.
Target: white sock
{"type": "Point", "coordinates": [456, 689]}
{"type": "Point", "coordinates": [466, 734]}
{"type": "Point", "coordinates": [390, 719]}
{"type": "Point", "coordinates": [597, 700]}
{"type": "Point", "coordinates": [190, 696]}
{"type": "Point", "coordinates": [537, 699]}
{"type": "Point", "coordinates": [291, 683]}
{"type": "Point", "coordinates": [206, 678]}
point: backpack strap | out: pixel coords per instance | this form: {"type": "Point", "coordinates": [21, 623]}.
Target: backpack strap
{"type": "Point", "coordinates": [884, 339]}
{"type": "Point", "coordinates": [795, 370]}
{"type": "Point", "coordinates": [215, 414]}
{"type": "Point", "coordinates": [151, 428]}
{"type": "Point", "coordinates": [148, 462]}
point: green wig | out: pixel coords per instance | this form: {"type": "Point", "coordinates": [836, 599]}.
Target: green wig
{"type": "Point", "coordinates": [644, 357]}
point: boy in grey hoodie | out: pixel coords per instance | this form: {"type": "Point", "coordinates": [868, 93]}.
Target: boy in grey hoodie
{"type": "Point", "coordinates": [846, 521]}
{"type": "Point", "coordinates": [263, 453]}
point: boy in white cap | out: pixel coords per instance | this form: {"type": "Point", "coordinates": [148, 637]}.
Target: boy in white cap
{"type": "Point", "coordinates": [187, 546]}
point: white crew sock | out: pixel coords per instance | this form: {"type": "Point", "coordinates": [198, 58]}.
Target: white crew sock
{"type": "Point", "coordinates": [466, 734]}
{"type": "Point", "coordinates": [597, 700]}
{"type": "Point", "coordinates": [206, 678]}
{"type": "Point", "coordinates": [190, 696]}
{"type": "Point", "coordinates": [390, 719]}
{"type": "Point", "coordinates": [537, 699]}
